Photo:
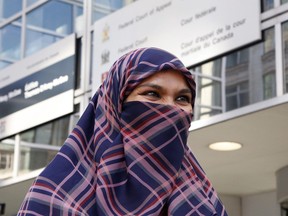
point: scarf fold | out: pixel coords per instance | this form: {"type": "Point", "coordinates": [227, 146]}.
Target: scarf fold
{"type": "Point", "coordinates": [126, 158]}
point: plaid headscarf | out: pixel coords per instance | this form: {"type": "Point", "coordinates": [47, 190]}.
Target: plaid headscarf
{"type": "Point", "coordinates": [126, 158]}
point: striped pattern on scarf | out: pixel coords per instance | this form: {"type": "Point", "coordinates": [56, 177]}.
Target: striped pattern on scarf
{"type": "Point", "coordinates": [126, 158]}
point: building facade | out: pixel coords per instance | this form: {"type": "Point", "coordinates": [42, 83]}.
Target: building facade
{"type": "Point", "coordinates": [230, 87]}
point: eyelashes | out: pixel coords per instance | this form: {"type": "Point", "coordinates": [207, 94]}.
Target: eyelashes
{"type": "Point", "coordinates": [150, 93]}
{"type": "Point", "coordinates": [183, 99]}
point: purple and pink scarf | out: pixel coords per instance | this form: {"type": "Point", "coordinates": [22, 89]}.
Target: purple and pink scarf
{"type": "Point", "coordinates": [126, 158]}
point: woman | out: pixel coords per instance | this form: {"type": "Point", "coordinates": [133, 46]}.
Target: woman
{"type": "Point", "coordinates": [128, 153]}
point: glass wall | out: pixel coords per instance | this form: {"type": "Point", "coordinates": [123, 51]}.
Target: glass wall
{"type": "Point", "coordinates": [250, 77]}
{"type": "Point", "coordinates": [250, 73]}
{"type": "Point", "coordinates": [10, 39]}
{"type": "Point", "coordinates": [30, 2]}
{"type": "Point", "coordinates": [32, 28]}
{"type": "Point", "coordinates": [6, 158]}
{"type": "Point", "coordinates": [49, 23]}
{"type": "Point", "coordinates": [285, 53]}
{"type": "Point", "coordinates": [38, 146]}
{"type": "Point", "coordinates": [209, 82]}
{"type": "Point", "coordinates": [44, 24]}
{"type": "Point", "coordinates": [101, 8]}
{"type": "Point", "coordinates": [9, 8]}
{"type": "Point", "coordinates": [267, 5]}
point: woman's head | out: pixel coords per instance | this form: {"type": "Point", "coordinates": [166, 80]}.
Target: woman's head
{"type": "Point", "coordinates": [119, 151]}
{"type": "Point", "coordinates": [148, 65]}
{"type": "Point", "coordinates": [167, 87]}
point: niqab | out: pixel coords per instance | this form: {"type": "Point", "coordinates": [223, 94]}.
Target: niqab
{"type": "Point", "coordinates": [126, 158]}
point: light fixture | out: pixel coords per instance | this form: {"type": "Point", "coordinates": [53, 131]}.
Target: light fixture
{"type": "Point", "coordinates": [225, 146]}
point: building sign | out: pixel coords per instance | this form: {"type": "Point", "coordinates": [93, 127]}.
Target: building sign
{"type": "Point", "coordinates": [38, 88]}
{"type": "Point", "coordinates": [193, 30]}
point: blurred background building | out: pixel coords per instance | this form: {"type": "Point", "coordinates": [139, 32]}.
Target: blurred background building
{"type": "Point", "coordinates": [241, 97]}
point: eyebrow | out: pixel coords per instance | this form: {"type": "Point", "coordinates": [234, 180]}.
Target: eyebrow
{"type": "Point", "coordinates": [154, 86]}
{"type": "Point", "coordinates": [185, 91]}
{"type": "Point", "coordinates": [150, 85]}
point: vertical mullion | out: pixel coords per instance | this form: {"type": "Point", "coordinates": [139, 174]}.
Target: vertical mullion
{"type": "Point", "coordinates": [23, 30]}
{"type": "Point", "coordinates": [279, 60]}
{"type": "Point", "coordinates": [223, 84]}
{"type": "Point", "coordinates": [16, 162]}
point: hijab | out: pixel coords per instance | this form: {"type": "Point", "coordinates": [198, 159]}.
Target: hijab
{"type": "Point", "coordinates": [126, 158]}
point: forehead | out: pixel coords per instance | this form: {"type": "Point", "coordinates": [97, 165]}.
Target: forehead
{"type": "Point", "coordinates": [170, 77]}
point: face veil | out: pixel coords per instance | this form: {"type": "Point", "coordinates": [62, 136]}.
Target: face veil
{"type": "Point", "coordinates": [126, 158]}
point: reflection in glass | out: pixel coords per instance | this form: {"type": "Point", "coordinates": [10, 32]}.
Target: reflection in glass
{"type": "Point", "coordinates": [269, 88]}
{"type": "Point", "coordinates": [79, 20]}
{"type": "Point", "coordinates": [30, 2]}
{"type": "Point", "coordinates": [47, 24]}
{"type": "Point", "coordinates": [285, 53]}
{"type": "Point", "coordinates": [6, 158]}
{"type": "Point", "coordinates": [9, 7]}
{"type": "Point", "coordinates": [237, 96]}
{"type": "Point", "coordinates": [250, 73]}
{"type": "Point", "coordinates": [102, 8]}
{"type": "Point", "coordinates": [284, 1]}
{"type": "Point", "coordinates": [269, 42]}
{"type": "Point", "coordinates": [4, 64]}
{"type": "Point", "coordinates": [39, 145]}
{"type": "Point", "coordinates": [33, 158]}
{"type": "Point", "coordinates": [78, 77]}
{"type": "Point", "coordinates": [52, 133]}
{"type": "Point", "coordinates": [237, 58]}
{"type": "Point", "coordinates": [10, 36]}
{"type": "Point", "coordinates": [206, 112]}
{"type": "Point", "coordinates": [55, 16]}
{"type": "Point", "coordinates": [212, 68]}
{"type": "Point", "coordinates": [209, 92]}
{"type": "Point", "coordinates": [208, 80]}
{"type": "Point", "coordinates": [267, 5]}
{"type": "Point", "coordinates": [38, 40]}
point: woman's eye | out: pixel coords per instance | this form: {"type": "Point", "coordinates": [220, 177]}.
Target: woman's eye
{"type": "Point", "coordinates": [184, 99]}
{"type": "Point", "coordinates": [151, 94]}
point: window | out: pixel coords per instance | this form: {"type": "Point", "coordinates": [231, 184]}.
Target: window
{"type": "Point", "coordinates": [39, 145]}
{"type": "Point", "coordinates": [9, 7]}
{"type": "Point", "coordinates": [47, 24]}
{"type": "Point", "coordinates": [285, 53]}
{"type": "Point", "coordinates": [34, 158]}
{"type": "Point", "coordinates": [10, 36]}
{"type": "Point", "coordinates": [209, 91]}
{"type": "Point", "coordinates": [6, 158]}
{"type": "Point", "coordinates": [212, 68]}
{"type": "Point", "coordinates": [267, 5]}
{"type": "Point", "coordinates": [269, 40]}
{"type": "Point", "coordinates": [54, 16]}
{"type": "Point", "coordinates": [102, 8]}
{"type": "Point", "coordinates": [38, 40]}
{"type": "Point", "coordinates": [4, 64]}
{"type": "Point", "coordinates": [269, 85]}
{"type": "Point", "coordinates": [208, 80]}
{"type": "Point", "coordinates": [250, 73]}
{"type": "Point", "coordinates": [236, 58]}
{"type": "Point", "coordinates": [30, 2]}
{"type": "Point", "coordinates": [206, 112]}
{"type": "Point", "coordinates": [237, 96]}
{"type": "Point", "coordinates": [53, 133]}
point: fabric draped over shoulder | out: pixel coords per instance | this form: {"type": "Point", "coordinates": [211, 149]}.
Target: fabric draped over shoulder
{"type": "Point", "coordinates": [126, 158]}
